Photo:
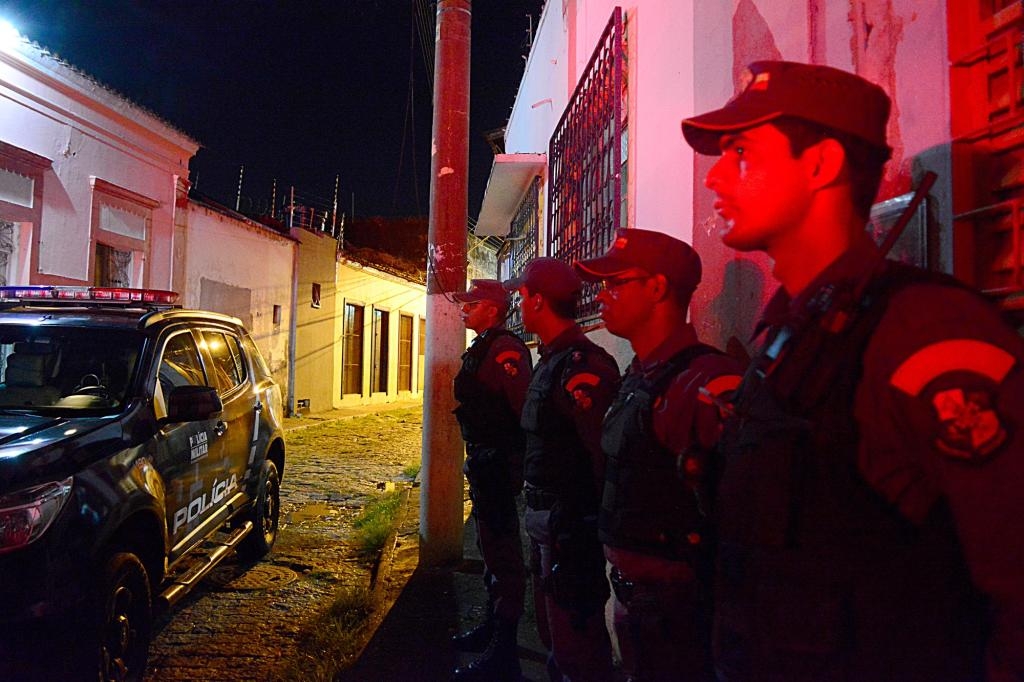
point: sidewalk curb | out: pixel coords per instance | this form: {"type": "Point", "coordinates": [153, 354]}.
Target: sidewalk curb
{"type": "Point", "coordinates": [386, 561]}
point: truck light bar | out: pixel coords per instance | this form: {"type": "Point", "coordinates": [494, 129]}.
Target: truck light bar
{"type": "Point", "coordinates": [114, 294]}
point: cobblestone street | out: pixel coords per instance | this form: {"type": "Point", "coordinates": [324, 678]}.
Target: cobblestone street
{"type": "Point", "coordinates": [249, 623]}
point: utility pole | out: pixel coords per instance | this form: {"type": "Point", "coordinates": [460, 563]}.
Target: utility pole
{"type": "Point", "coordinates": [441, 493]}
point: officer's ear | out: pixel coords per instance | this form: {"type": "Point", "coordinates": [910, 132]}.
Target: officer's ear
{"type": "Point", "coordinates": [826, 161]}
{"type": "Point", "coordinates": [659, 286]}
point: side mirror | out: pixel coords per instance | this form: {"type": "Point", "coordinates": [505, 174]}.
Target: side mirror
{"type": "Point", "coordinates": [192, 404]}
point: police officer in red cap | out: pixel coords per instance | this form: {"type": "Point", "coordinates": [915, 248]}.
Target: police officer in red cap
{"type": "Point", "coordinates": [870, 508]}
{"type": "Point", "coordinates": [655, 519]}
{"type": "Point", "coordinates": [572, 387]}
{"type": "Point", "coordinates": [490, 389]}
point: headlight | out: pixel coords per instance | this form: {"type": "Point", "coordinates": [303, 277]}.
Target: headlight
{"type": "Point", "coordinates": [26, 514]}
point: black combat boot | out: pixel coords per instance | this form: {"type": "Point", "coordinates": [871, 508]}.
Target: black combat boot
{"type": "Point", "coordinates": [476, 639]}
{"type": "Point", "coordinates": [500, 660]}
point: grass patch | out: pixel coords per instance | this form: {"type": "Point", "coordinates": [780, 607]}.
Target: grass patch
{"type": "Point", "coordinates": [412, 470]}
{"type": "Point", "coordinates": [340, 633]}
{"type": "Point", "coordinates": [374, 524]}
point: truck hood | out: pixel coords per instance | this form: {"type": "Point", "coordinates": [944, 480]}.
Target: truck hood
{"type": "Point", "coordinates": [36, 448]}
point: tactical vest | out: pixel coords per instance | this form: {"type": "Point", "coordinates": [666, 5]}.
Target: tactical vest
{"type": "Point", "coordinates": [818, 577]}
{"type": "Point", "coordinates": [647, 507]}
{"type": "Point", "coordinates": [484, 415]}
{"type": "Point", "coordinates": [556, 460]}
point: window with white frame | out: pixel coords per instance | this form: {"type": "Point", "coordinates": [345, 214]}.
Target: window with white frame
{"type": "Point", "coordinates": [21, 203]}
{"type": "Point", "coordinates": [352, 349]}
{"type": "Point", "coordinates": [121, 225]}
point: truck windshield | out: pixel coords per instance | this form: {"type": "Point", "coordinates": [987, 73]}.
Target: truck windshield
{"type": "Point", "coordinates": [69, 368]}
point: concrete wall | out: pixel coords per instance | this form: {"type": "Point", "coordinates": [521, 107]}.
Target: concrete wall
{"type": "Point", "coordinates": [87, 132]}
{"type": "Point", "coordinates": [365, 286]}
{"type": "Point", "coordinates": [316, 327]}
{"type": "Point", "coordinates": [240, 268]}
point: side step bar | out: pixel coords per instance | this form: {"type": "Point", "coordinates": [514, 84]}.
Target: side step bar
{"type": "Point", "coordinates": [183, 584]}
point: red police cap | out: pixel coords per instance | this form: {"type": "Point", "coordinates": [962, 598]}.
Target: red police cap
{"type": "Point", "coordinates": [654, 252]}
{"type": "Point", "coordinates": [483, 290]}
{"type": "Point", "coordinates": [830, 97]}
{"type": "Point", "coordinates": [550, 277]}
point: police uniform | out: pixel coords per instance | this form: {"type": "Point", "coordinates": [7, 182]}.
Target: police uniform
{"type": "Point", "coordinates": [490, 388]}
{"type": "Point", "coordinates": [872, 485]}
{"type": "Point", "coordinates": [574, 382]}
{"type": "Point", "coordinates": [656, 511]}
{"type": "Point", "coordinates": [869, 509]}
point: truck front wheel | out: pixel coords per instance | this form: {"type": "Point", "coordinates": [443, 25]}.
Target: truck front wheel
{"type": "Point", "coordinates": [125, 619]}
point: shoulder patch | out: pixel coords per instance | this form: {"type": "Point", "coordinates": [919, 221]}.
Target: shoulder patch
{"type": "Point", "coordinates": [509, 361]}
{"type": "Point", "coordinates": [582, 378]}
{"type": "Point", "coordinates": [579, 387]}
{"type": "Point", "coordinates": [508, 355]}
{"type": "Point", "coordinates": [719, 385]}
{"type": "Point", "coordinates": [954, 355]}
{"type": "Point", "coordinates": [969, 426]}
{"type": "Point", "coordinates": [958, 379]}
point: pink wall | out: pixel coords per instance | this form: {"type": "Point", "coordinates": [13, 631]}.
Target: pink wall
{"type": "Point", "coordinates": [899, 44]}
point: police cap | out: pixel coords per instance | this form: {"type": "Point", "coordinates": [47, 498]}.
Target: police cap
{"type": "Point", "coordinates": [654, 252]}
{"type": "Point", "coordinates": [483, 290]}
{"type": "Point", "coordinates": [550, 277]}
{"type": "Point", "coordinates": [832, 98]}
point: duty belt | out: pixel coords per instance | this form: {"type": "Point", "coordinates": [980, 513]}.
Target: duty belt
{"type": "Point", "coordinates": [539, 500]}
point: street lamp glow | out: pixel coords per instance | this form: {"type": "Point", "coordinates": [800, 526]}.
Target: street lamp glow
{"type": "Point", "coordinates": [9, 35]}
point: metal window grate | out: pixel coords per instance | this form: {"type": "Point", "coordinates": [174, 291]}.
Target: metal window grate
{"type": "Point", "coordinates": [522, 247]}
{"type": "Point", "coordinates": [587, 156]}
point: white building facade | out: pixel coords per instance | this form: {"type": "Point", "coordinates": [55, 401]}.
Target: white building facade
{"type": "Point", "coordinates": [88, 181]}
{"type": "Point", "coordinates": [594, 143]}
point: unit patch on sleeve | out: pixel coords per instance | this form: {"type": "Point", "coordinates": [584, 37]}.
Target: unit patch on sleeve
{"type": "Point", "coordinates": [970, 426]}
{"type": "Point", "coordinates": [579, 387]}
{"type": "Point", "coordinates": [959, 378]}
{"type": "Point", "coordinates": [509, 361]}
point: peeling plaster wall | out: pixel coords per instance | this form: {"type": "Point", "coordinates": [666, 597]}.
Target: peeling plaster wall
{"type": "Point", "coordinates": [88, 131]}
{"type": "Point", "coordinates": [900, 44]}
{"type": "Point", "coordinates": [239, 257]}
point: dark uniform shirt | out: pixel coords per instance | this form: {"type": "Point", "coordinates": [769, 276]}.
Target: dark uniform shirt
{"type": "Point", "coordinates": [587, 390]}
{"type": "Point", "coordinates": [506, 370]}
{"type": "Point", "coordinates": [685, 414]}
{"type": "Point", "coordinates": [940, 411]}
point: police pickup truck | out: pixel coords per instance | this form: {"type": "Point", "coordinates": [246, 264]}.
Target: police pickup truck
{"type": "Point", "coordinates": [140, 444]}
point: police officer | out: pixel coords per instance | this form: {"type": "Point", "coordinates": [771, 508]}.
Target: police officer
{"type": "Point", "coordinates": [873, 476]}
{"type": "Point", "coordinates": [658, 435]}
{"type": "Point", "coordinates": [574, 382]}
{"type": "Point", "coordinates": [490, 389]}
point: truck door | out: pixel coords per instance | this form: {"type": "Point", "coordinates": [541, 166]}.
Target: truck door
{"type": "Point", "coordinates": [185, 451]}
{"type": "Point", "coordinates": [229, 374]}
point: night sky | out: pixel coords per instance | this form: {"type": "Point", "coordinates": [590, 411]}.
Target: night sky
{"type": "Point", "coordinates": [299, 90]}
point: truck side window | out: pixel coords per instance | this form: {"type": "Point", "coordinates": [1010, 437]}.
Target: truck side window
{"type": "Point", "coordinates": [179, 366]}
{"type": "Point", "coordinates": [228, 366]}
